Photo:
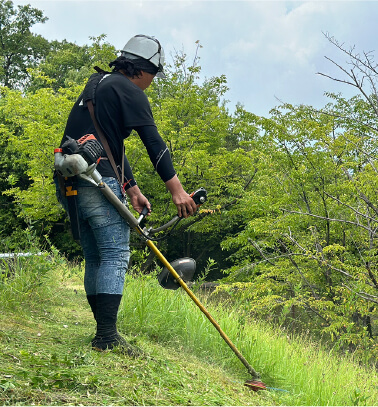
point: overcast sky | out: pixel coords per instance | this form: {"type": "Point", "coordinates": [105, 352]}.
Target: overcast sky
{"type": "Point", "coordinates": [268, 50]}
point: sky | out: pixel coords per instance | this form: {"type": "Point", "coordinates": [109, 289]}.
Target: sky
{"type": "Point", "coordinates": [270, 51]}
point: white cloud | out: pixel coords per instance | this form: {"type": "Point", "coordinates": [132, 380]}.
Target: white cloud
{"type": "Point", "coordinates": [265, 48]}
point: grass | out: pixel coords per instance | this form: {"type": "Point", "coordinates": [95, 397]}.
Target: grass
{"type": "Point", "coordinates": [297, 370]}
{"type": "Point", "coordinates": [46, 358]}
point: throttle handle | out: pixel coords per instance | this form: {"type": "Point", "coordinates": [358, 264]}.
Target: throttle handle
{"type": "Point", "coordinates": [199, 196]}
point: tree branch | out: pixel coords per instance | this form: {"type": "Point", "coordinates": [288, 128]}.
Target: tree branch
{"type": "Point", "coordinates": [362, 195]}
{"type": "Point", "coordinates": [350, 207]}
{"type": "Point", "coordinates": [332, 219]}
{"type": "Point", "coordinates": [311, 256]}
{"type": "Point", "coordinates": [293, 262]}
{"type": "Point", "coordinates": [365, 296]}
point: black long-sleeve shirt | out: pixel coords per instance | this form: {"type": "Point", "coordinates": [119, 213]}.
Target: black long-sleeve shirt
{"type": "Point", "coordinates": [121, 106]}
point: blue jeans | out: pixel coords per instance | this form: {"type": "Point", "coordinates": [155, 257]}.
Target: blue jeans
{"type": "Point", "coordinates": [104, 237]}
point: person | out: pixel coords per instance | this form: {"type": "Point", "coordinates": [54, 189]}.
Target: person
{"type": "Point", "coordinates": [120, 106]}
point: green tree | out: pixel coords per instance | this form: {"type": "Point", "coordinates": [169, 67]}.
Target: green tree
{"type": "Point", "coordinates": [20, 49]}
{"type": "Point", "coordinates": [68, 63]}
{"type": "Point", "coordinates": [33, 127]}
{"type": "Point", "coordinates": [308, 253]}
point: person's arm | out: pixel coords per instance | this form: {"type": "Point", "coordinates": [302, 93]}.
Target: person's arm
{"type": "Point", "coordinates": [157, 151]}
{"type": "Point", "coordinates": [183, 201]}
{"type": "Point", "coordinates": [161, 160]}
{"type": "Point", "coordinates": [129, 180]}
{"type": "Point", "coordinates": [137, 200]}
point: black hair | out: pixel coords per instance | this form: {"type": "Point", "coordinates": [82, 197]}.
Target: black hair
{"type": "Point", "coordinates": [133, 67]}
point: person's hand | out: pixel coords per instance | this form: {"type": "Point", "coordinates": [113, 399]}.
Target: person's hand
{"type": "Point", "coordinates": [137, 199]}
{"type": "Point", "coordinates": [183, 201]}
{"type": "Point", "coordinates": [184, 204]}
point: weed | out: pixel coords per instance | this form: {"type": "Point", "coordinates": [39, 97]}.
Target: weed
{"type": "Point", "coordinates": [358, 399]}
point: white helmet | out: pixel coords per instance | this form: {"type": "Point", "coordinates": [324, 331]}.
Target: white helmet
{"type": "Point", "coordinates": [148, 48]}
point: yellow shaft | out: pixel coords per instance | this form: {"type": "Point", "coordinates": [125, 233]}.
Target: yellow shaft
{"type": "Point", "coordinates": [165, 262]}
{"type": "Point", "coordinates": [133, 222]}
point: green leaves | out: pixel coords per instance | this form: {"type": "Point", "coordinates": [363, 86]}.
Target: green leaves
{"type": "Point", "coordinates": [313, 220]}
{"type": "Point", "coordinates": [21, 49]}
{"type": "Point", "coordinates": [35, 126]}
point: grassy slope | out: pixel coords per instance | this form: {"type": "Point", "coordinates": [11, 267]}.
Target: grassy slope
{"type": "Point", "coordinates": [46, 359]}
{"type": "Point", "coordinates": [302, 371]}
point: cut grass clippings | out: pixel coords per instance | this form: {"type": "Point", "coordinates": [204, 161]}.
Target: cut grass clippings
{"type": "Point", "coordinates": [46, 359]}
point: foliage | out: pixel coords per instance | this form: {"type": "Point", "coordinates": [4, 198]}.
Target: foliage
{"type": "Point", "coordinates": [27, 278]}
{"type": "Point", "coordinates": [292, 208]}
{"type": "Point", "coordinates": [308, 253]}
{"type": "Point", "coordinates": [20, 49]}
{"type": "Point", "coordinates": [34, 126]}
{"type": "Point", "coordinates": [68, 63]}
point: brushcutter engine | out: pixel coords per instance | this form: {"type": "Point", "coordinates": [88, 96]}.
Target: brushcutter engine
{"type": "Point", "coordinates": [77, 157]}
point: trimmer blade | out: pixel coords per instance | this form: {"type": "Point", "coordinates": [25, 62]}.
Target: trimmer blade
{"type": "Point", "coordinates": [255, 385]}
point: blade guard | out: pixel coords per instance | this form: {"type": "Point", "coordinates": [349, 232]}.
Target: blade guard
{"type": "Point", "coordinates": [185, 268]}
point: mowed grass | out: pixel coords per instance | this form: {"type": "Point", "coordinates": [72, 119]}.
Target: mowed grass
{"type": "Point", "coordinates": [46, 358]}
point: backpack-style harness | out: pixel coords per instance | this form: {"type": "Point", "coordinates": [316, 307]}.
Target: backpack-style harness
{"type": "Point", "coordinates": [68, 185]}
{"type": "Point", "coordinates": [89, 100]}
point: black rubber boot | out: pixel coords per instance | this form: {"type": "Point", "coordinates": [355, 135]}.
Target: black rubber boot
{"type": "Point", "coordinates": [92, 301]}
{"type": "Point", "coordinates": [107, 336]}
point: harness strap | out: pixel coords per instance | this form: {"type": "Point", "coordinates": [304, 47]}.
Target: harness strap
{"type": "Point", "coordinates": [71, 196]}
{"type": "Point", "coordinates": [105, 144]}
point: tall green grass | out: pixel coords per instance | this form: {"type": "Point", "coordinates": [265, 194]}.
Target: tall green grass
{"type": "Point", "coordinates": [297, 370]}
{"type": "Point", "coordinates": [46, 357]}
{"type": "Point", "coordinates": [23, 277]}
{"type": "Point", "coordinates": [33, 279]}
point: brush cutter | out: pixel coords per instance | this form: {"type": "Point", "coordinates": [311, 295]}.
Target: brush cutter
{"type": "Point", "coordinates": [82, 162]}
